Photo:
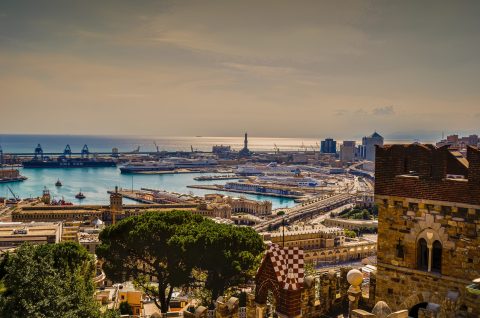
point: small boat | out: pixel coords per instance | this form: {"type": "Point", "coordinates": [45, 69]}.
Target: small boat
{"type": "Point", "coordinates": [58, 183]}
{"type": "Point", "coordinates": [80, 195]}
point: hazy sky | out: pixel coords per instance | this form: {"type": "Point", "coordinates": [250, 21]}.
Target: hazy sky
{"type": "Point", "coordinates": [219, 68]}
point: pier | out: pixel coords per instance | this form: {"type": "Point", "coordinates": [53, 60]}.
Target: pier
{"type": "Point", "coordinates": [221, 177]}
{"type": "Point", "coordinates": [219, 187]}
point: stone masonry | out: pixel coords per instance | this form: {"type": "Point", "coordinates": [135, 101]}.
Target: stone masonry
{"type": "Point", "coordinates": [428, 232]}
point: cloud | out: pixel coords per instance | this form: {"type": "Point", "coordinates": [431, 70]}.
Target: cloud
{"type": "Point", "coordinates": [383, 111]}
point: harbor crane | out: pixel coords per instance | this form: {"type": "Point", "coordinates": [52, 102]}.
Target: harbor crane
{"type": "Point", "coordinates": [85, 152]}
{"type": "Point", "coordinates": [277, 150]}
{"type": "Point", "coordinates": [67, 151]}
{"type": "Point", "coordinates": [13, 193]}
{"type": "Point", "coordinates": [156, 146]}
{"type": "Point", "coordinates": [38, 152]}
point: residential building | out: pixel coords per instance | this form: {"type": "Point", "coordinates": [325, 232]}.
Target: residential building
{"type": "Point", "coordinates": [347, 151]}
{"type": "Point", "coordinates": [128, 293]}
{"type": "Point", "coordinates": [14, 234]}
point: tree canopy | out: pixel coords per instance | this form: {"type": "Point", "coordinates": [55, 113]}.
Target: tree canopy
{"type": "Point", "coordinates": [53, 280]}
{"type": "Point", "coordinates": [168, 246]}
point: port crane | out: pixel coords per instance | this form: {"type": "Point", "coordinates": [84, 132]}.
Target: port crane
{"type": "Point", "coordinates": [156, 146]}
{"type": "Point", "coordinates": [13, 193]}
{"type": "Point", "coordinates": [277, 150]}
{"type": "Point", "coordinates": [136, 150]}
{"type": "Point", "coordinates": [85, 152]}
{"type": "Point", "coordinates": [38, 152]}
{"type": "Point", "coordinates": [67, 151]}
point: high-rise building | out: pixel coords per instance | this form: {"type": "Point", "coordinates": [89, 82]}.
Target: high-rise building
{"type": "Point", "coordinates": [347, 151]}
{"type": "Point", "coordinates": [328, 146]}
{"type": "Point", "coordinates": [367, 149]}
{"type": "Point", "coordinates": [428, 230]}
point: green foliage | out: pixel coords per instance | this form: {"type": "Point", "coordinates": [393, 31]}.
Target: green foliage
{"type": "Point", "coordinates": [350, 233]}
{"type": "Point", "coordinates": [356, 213]}
{"type": "Point", "coordinates": [52, 280]}
{"type": "Point", "coordinates": [171, 245]}
{"type": "Point", "coordinates": [281, 213]}
{"type": "Point", "coordinates": [125, 308]}
{"type": "Point", "coordinates": [309, 268]}
{"type": "Point", "coordinates": [229, 254]}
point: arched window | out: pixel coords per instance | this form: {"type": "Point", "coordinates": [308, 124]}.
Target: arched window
{"type": "Point", "coordinates": [437, 257]}
{"type": "Point", "coordinates": [422, 254]}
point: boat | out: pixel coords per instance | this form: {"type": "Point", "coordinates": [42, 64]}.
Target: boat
{"type": "Point", "coordinates": [180, 163]}
{"type": "Point", "coordinates": [80, 195]}
{"type": "Point", "coordinates": [248, 171]}
{"type": "Point", "coordinates": [66, 160]}
{"type": "Point", "coordinates": [146, 166]}
{"type": "Point", "coordinates": [58, 183]}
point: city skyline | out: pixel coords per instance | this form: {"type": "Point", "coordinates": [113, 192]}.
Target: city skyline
{"type": "Point", "coordinates": [408, 70]}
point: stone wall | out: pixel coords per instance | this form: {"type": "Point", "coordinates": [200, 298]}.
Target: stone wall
{"type": "Point", "coordinates": [418, 205]}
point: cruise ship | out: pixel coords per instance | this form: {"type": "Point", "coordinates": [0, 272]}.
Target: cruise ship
{"type": "Point", "coordinates": [181, 163]}
{"type": "Point", "coordinates": [146, 166]}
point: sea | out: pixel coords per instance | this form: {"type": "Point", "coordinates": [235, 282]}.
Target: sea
{"type": "Point", "coordinates": [95, 182]}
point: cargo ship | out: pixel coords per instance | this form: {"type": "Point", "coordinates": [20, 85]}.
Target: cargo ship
{"type": "Point", "coordinates": [66, 160]}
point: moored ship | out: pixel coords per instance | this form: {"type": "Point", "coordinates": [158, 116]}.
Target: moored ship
{"type": "Point", "coordinates": [10, 175]}
{"type": "Point", "coordinates": [148, 166]}
{"type": "Point", "coordinates": [66, 160]}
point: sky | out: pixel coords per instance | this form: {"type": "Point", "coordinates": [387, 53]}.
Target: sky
{"type": "Point", "coordinates": [408, 69]}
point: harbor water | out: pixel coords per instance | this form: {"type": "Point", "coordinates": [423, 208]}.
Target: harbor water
{"type": "Point", "coordinates": [95, 182]}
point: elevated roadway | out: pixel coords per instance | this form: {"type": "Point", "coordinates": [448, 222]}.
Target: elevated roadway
{"type": "Point", "coordinates": [307, 211]}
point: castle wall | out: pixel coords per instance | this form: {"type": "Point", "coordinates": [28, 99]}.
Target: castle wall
{"type": "Point", "coordinates": [418, 202]}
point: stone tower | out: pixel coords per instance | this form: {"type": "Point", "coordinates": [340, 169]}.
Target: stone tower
{"type": "Point", "coordinates": [428, 229]}
{"type": "Point", "coordinates": [116, 203]}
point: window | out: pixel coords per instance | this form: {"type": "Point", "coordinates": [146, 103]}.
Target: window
{"type": "Point", "coordinates": [437, 257]}
{"type": "Point", "coordinates": [462, 212]}
{"type": "Point", "coordinates": [413, 206]}
{"type": "Point", "coordinates": [422, 254]}
{"type": "Point", "coordinates": [400, 251]}
{"type": "Point", "coordinates": [446, 209]}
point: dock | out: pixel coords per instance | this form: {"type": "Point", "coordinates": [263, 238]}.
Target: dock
{"type": "Point", "coordinates": [219, 187]}
{"type": "Point", "coordinates": [220, 177]}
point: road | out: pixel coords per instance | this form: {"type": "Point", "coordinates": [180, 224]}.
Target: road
{"type": "Point", "coordinates": [307, 210]}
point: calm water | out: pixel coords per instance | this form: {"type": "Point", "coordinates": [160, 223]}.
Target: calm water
{"type": "Point", "coordinates": [56, 143]}
{"type": "Point", "coordinates": [94, 183]}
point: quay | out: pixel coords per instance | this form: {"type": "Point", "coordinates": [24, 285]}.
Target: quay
{"type": "Point", "coordinates": [221, 177]}
{"type": "Point", "coordinates": [219, 187]}
{"type": "Point", "coordinates": [152, 197]}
